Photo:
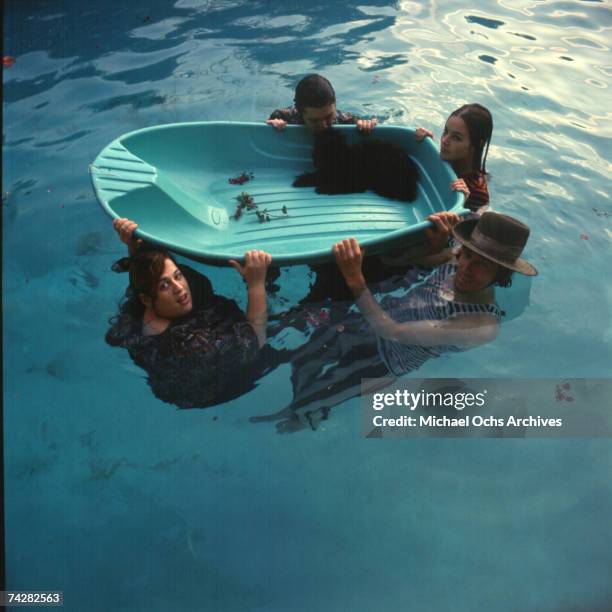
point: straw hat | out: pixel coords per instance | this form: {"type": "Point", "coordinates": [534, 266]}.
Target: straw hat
{"type": "Point", "coordinates": [497, 237]}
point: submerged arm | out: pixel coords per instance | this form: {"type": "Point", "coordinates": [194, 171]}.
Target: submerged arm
{"type": "Point", "coordinates": [419, 255]}
{"type": "Point", "coordinates": [257, 312]}
{"type": "Point", "coordinates": [462, 330]}
{"type": "Point", "coordinates": [434, 251]}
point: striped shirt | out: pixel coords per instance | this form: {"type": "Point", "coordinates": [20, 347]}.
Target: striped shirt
{"type": "Point", "coordinates": [425, 302]}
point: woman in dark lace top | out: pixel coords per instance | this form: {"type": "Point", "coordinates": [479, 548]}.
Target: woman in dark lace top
{"type": "Point", "coordinates": [198, 348]}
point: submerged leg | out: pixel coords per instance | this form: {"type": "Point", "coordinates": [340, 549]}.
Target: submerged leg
{"type": "Point", "coordinates": [329, 369]}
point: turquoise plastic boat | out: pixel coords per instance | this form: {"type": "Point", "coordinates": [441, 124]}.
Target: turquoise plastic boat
{"type": "Point", "coordinates": [173, 180]}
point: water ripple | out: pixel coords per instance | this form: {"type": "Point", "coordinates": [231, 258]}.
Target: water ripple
{"type": "Point", "coordinates": [159, 30]}
{"type": "Point", "coordinates": [66, 139]}
{"type": "Point", "coordinates": [493, 24]}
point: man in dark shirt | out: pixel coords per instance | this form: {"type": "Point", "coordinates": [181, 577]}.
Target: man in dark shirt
{"type": "Point", "coordinates": [315, 107]}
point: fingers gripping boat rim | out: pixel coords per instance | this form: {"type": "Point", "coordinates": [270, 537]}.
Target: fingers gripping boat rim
{"type": "Point", "coordinates": [173, 181]}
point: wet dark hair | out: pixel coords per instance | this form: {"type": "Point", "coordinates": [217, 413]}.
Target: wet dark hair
{"type": "Point", "coordinates": [314, 91]}
{"type": "Point", "coordinates": [504, 277]}
{"type": "Point", "coordinates": [145, 268]}
{"type": "Point", "coordinates": [479, 123]}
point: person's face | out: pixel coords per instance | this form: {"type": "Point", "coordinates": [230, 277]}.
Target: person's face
{"type": "Point", "coordinates": [173, 298]}
{"type": "Point", "coordinates": [455, 143]}
{"type": "Point", "coordinates": [474, 272]}
{"type": "Point", "coordinates": [317, 119]}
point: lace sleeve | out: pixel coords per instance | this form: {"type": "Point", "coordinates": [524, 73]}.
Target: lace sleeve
{"type": "Point", "coordinates": [205, 361]}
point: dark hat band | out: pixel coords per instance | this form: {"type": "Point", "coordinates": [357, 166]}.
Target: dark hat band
{"type": "Point", "coordinates": [494, 247]}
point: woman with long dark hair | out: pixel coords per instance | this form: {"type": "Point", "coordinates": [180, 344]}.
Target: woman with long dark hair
{"type": "Point", "coordinates": [465, 145]}
{"type": "Point", "coordinates": [198, 348]}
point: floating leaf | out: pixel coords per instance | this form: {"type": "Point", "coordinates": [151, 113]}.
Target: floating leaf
{"type": "Point", "coordinates": [248, 202]}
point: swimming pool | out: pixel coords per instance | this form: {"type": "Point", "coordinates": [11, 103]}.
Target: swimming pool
{"type": "Point", "coordinates": [125, 503]}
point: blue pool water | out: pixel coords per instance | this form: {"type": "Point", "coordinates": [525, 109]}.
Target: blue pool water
{"type": "Point", "coordinates": [125, 503]}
